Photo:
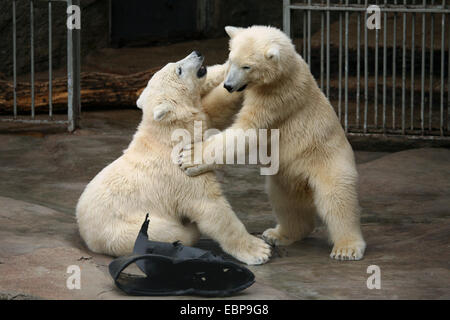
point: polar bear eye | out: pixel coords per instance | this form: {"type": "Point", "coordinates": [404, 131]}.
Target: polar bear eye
{"type": "Point", "coordinates": [246, 67]}
{"type": "Point", "coordinates": [179, 71]}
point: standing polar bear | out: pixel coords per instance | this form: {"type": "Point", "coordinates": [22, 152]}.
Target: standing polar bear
{"type": "Point", "coordinates": [145, 178]}
{"type": "Point", "coordinates": [317, 172]}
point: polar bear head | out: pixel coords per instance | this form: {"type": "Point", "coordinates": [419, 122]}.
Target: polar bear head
{"type": "Point", "coordinates": [174, 90]}
{"type": "Point", "coordinates": [258, 55]}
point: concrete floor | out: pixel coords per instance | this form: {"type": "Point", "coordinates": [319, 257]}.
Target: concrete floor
{"type": "Point", "coordinates": [405, 198]}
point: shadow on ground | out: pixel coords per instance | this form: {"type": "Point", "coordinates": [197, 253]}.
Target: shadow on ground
{"type": "Point", "coordinates": [405, 198]}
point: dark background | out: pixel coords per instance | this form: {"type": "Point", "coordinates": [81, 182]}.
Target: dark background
{"type": "Point", "coordinates": [128, 23]}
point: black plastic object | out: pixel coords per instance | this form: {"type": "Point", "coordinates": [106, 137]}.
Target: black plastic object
{"type": "Point", "coordinates": [174, 269]}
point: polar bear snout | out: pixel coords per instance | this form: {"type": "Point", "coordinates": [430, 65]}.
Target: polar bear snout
{"type": "Point", "coordinates": [194, 54]}
{"type": "Point", "coordinates": [236, 79]}
{"type": "Point", "coordinates": [198, 54]}
{"type": "Point", "coordinates": [192, 65]}
{"type": "Point", "coordinates": [228, 87]}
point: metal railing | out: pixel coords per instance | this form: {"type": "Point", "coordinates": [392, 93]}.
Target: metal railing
{"type": "Point", "coordinates": [360, 107]}
{"type": "Point", "coordinates": [73, 71]}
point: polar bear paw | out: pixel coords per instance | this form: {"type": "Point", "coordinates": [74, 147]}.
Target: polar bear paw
{"type": "Point", "coordinates": [254, 251]}
{"type": "Point", "coordinates": [274, 237]}
{"type": "Point", "coordinates": [195, 171]}
{"type": "Point", "coordinates": [348, 250]}
{"type": "Point", "coordinates": [186, 162]}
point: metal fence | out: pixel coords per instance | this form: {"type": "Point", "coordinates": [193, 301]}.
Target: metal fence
{"type": "Point", "coordinates": [73, 71]}
{"type": "Point", "coordinates": [379, 92]}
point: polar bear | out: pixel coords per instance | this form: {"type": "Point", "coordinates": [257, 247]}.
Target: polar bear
{"type": "Point", "coordinates": [220, 105]}
{"type": "Point", "coordinates": [145, 179]}
{"type": "Point", "coordinates": [317, 171]}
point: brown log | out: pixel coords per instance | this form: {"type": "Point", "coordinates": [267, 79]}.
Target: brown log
{"type": "Point", "coordinates": [97, 90]}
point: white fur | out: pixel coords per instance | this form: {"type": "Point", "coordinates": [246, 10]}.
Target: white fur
{"type": "Point", "coordinates": [317, 169]}
{"type": "Point", "coordinates": [145, 180]}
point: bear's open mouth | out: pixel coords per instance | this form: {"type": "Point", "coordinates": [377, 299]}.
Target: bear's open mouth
{"type": "Point", "coordinates": [242, 88]}
{"type": "Point", "coordinates": [201, 72]}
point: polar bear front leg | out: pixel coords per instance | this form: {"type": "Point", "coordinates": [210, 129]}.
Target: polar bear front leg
{"type": "Point", "coordinates": [221, 106]}
{"type": "Point", "coordinates": [187, 158]}
{"type": "Point", "coordinates": [216, 219]}
{"type": "Point", "coordinates": [214, 77]}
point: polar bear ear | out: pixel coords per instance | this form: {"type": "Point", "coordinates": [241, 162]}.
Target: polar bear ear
{"type": "Point", "coordinates": [232, 31]}
{"type": "Point", "coordinates": [140, 100]}
{"type": "Point", "coordinates": [140, 103]}
{"type": "Point", "coordinates": [273, 53]}
{"type": "Point", "coordinates": [161, 110]}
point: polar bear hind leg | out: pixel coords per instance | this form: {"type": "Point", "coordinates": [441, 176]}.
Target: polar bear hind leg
{"type": "Point", "coordinates": [336, 200]}
{"type": "Point", "coordinates": [295, 213]}
{"type": "Point", "coordinates": [122, 235]}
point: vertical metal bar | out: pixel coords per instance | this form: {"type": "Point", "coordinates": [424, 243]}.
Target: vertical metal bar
{"type": "Point", "coordinates": [376, 78]}
{"type": "Point", "coordinates": [430, 111]}
{"type": "Point", "coordinates": [328, 50]}
{"type": "Point", "coordinates": [441, 125]}
{"type": "Point", "coordinates": [322, 26]}
{"type": "Point", "coordinates": [340, 65]}
{"type": "Point", "coordinates": [346, 71]}
{"type": "Point", "coordinates": [394, 68]}
{"type": "Point", "coordinates": [309, 34]}
{"type": "Point", "coordinates": [286, 17]}
{"type": "Point", "coordinates": [50, 64]}
{"type": "Point", "coordinates": [305, 57]}
{"type": "Point", "coordinates": [358, 62]}
{"type": "Point", "coordinates": [404, 71]}
{"type": "Point", "coordinates": [32, 56]}
{"type": "Point", "coordinates": [14, 59]}
{"type": "Point", "coordinates": [422, 96]}
{"type": "Point", "coordinates": [366, 68]}
{"type": "Point", "coordinates": [73, 74]}
{"type": "Point", "coordinates": [448, 81]}
{"type": "Point", "coordinates": [384, 66]}
{"type": "Point", "coordinates": [413, 36]}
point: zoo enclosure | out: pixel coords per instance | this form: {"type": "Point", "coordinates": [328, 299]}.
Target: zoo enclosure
{"type": "Point", "coordinates": [73, 70]}
{"type": "Point", "coordinates": [401, 106]}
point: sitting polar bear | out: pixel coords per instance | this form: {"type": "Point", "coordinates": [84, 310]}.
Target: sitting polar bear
{"type": "Point", "coordinates": [317, 171]}
{"type": "Point", "coordinates": [145, 179]}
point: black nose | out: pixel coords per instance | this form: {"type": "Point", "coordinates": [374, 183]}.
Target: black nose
{"type": "Point", "coordinates": [197, 53]}
{"type": "Point", "coordinates": [228, 87]}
